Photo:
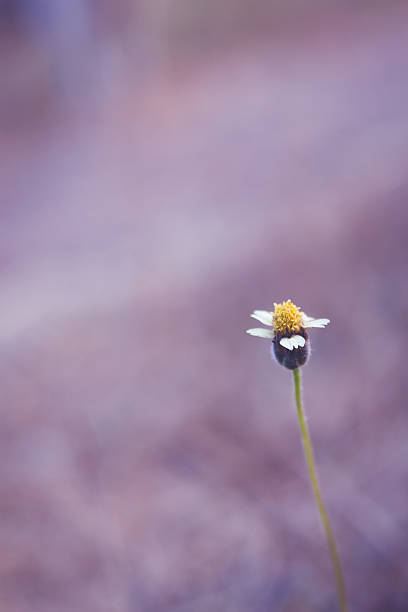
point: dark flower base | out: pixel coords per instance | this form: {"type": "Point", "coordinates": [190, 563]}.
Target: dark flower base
{"type": "Point", "coordinates": [290, 359]}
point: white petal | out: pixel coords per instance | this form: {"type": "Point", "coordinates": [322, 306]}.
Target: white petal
{"type": "Point", "coordinates": [293, 342]}
{"type": "Point", "coordinates": [310, 322]}
{"type": "Point", "coordinates": [261, 333]}
{"type": "Point", "coordinates": [298, 341]}
{"type": "Point", "coordinates": [287, 343]}
{"type": "Point", "coordinates": [263, 316]}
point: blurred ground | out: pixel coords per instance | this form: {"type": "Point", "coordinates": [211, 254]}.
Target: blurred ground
{"type": "Point", "coordinates": [150, 458]}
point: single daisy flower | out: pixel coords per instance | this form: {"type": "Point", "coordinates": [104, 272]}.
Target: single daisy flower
{"type": "Point", "coordinates": [290, 343]}
{"type": "Point", "coordinates": [290, 346]}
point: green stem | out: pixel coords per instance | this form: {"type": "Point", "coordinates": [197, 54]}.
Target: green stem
{"type": "Point", "coordinates": [307, 444]}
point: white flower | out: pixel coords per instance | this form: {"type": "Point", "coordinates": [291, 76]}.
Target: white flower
{"type": "Point", "coordinates": [288, 324]}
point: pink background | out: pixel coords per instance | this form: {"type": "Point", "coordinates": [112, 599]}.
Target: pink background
{"type": "Point", "coordinates": [165, 168]}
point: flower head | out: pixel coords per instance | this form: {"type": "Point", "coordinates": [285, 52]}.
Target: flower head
{"type": "Point", "coordinates": [289, 337]}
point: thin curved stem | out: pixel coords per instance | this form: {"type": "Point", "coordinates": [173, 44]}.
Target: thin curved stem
{"type": "Point", "coordinates": [307, 444]}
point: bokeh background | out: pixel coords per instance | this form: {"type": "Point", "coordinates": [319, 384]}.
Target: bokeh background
{"type": "Point", "coordinates": [165, 168]}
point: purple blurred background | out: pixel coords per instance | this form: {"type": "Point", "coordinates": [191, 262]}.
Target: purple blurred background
{"type": "Point", "coordinates": [166, 167]}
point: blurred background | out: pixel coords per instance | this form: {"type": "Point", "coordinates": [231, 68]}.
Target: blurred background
{"type": "Point", "coordinates": [165, 168]}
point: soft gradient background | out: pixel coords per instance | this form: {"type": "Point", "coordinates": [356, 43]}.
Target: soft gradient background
{"type": "Point", "coordinates": [165, 168]}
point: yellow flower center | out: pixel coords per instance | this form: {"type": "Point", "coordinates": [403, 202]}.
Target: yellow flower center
{"type": "Point", "coordinates": [287, 318]}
